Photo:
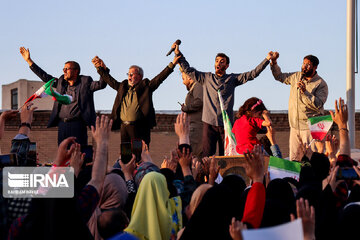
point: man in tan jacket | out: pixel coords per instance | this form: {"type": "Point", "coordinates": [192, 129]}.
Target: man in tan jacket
{"type": "Point", "coordinates": [308, 94]}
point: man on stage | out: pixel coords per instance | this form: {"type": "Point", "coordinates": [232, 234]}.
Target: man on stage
{"type": "Point", "coordinates": [73, 118]}
{"type": "Point", "coordinates": [213, 126]}
{"type": "Point", "coordinates": [308, 94]}
{"type": "Point", "coordinates": [133, 111]}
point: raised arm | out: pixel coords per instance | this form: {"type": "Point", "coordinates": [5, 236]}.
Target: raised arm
{"type": "Point", "coordinates": [190, 71]}
{"type": "Point", "coordinates": [25, 53]}
{"type": "Point", "coordinates": [104, 73]}
{"type": "Point", "coordinates": [267, 119]}
{"type": "Point", "coordinates": [101, 135]}
{"type": "Point", "coordinates": [340, 118]}
{"type": "Point", "coordinates": [158, 79]}
{"type": "Point", "coordinates": [5, 116]}
{"type": "Point", "coordinates": [247, 76]}
{"type": "Point", "coordinates": [276, 70]}
{"type": "Point", "coordinates": [255, 201]}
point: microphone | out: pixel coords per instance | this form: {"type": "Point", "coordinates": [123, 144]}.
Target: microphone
{"type": "Point", "coordinates": [178, 42]}
{"type": "Point", "coordinates": [301, 78]}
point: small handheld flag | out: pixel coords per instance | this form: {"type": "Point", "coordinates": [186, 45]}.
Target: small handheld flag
{"type": "Point", "coordinates": [47, 89]}
{"type": "Point", "coordinates": [319, 126]}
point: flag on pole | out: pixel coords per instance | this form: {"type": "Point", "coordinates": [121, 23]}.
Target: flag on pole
{"type": "Point", "coordinates": [63, 99]}
{"type": "Point", "coordinates": [230, 141]}
{"type": "Point", "coordinates": [40, 93]}
{"type": "Point", "coordinates": [46, 90]}
{"type": "Point", "coordinates": [319, 126]}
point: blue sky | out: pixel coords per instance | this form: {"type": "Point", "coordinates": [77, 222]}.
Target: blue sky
{"type": "Point", "coordinates": [141, 32]}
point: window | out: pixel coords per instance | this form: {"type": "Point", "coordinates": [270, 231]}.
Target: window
{"type": "Point", "coordinates": [14, 99]}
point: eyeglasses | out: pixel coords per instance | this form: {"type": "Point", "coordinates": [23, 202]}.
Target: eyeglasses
{"type": "Point", "coordinates": [130, 74]}
{"type": "Point", "coordinates": [306, 65]}
{"type": "Point", "coordinates": [65, 69]}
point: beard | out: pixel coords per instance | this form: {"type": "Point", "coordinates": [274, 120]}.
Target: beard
{"type": "Point", "coordinates": [307, 73]}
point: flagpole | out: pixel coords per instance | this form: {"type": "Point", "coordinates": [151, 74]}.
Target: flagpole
{"type": "Point", "coordinates": [350, 66]}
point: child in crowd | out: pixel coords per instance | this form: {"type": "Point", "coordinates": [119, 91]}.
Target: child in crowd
{"type": "Point", "coordinates": [249, 123]}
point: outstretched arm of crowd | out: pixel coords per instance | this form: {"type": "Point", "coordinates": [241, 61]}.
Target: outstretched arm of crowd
{"type": "Point", "coordinates": [255, 202]}
{"type": "Point", "coordinates": [5, 116]}
{"type": "Point", "coordinates": [101, 135]}
{"type": "Point", "coordinates": [340, 117]}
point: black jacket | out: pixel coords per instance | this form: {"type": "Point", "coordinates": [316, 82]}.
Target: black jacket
{"type": "Point", "coordinates": [144, 90]}
{"type": "Point", "coordinates": [85, 98]}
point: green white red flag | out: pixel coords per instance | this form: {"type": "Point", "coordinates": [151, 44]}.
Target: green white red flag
{"type": "Point", "coordinates": [319, 126]}
{"type": "Point", "coordinates": [47, 89]}
{"type": "Point", "coordinates": [229, 139]}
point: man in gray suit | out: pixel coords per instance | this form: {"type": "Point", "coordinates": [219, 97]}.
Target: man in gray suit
{"type": "Point", "coordinates": [193, 107]}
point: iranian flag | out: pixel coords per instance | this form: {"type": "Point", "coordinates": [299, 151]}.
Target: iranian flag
{"type": "Point", "coordinates": [319, 126]}
{"type": "Point", "coordinates": [229, 139]}
{"type": "Point", "coordinates": [40, 93]}
{"type": "Point", "coordinates": [47, 89]}
{"type": "Point", "coordinates": [280, 168]}
{"type": "Point", "coordinates": [63, 99]}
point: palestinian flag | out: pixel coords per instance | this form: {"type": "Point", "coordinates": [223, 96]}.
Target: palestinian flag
{"type": "Point", "coordinates": [319, 126]}
{"type": "Point", "coordinates": [47, 89]}
{"type": "Point", "coordinates": [229, 139]}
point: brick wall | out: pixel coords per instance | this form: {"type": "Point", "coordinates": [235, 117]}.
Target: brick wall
{"type": "Point", "coordinates": [163, 137]}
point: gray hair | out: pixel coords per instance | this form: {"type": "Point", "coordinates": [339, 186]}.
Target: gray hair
{"type": "Point", "coordinates": [139, 70]}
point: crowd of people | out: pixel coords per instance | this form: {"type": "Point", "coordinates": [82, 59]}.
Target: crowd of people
{"type": "Point", "coordinates": [183, 198]}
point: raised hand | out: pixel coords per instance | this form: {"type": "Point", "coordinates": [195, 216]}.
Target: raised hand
{"type": "Point", "coordinates": [255, 164]}
{"type": "Point", "coordinates": [128, 168]}
{"type": "Point", "coordinates": [167, 163]}
{"type": "Point", "coordinates": [213, 171]}
{"type": "Point", "coordinates": [145, 154]}
{"type": "Point", "coordinates": [331, 179]}
{"type": "Point", "coordinates": [176, 59]}
{"type": "Point", "coordinates": [25, 53]}
{"type": "Point", "coordinates": [9, 114]}
{"type": "Point", "coordinates": [273, 57]}
{"type": "Point", "coordinates": [63, 154]}
{"type": "Point", "coordinates": [307, 215]}
{"type": "Point", "coordinates": [176, 47]}
{"type": "Point", "coordinates": [235, 229]}
{"type": "Point", "coordinates": [26, 116]}
{"type": "Point", "coordinates": [77, 159]}
{"type": "Point", "coordinates": [98, 62]}
{"type": "Point", "coordinates": [185, 160]}
{"type": "Point", "coordinates": [341, 114]}
{"type": "Point", "coordinates": [101, 133]}
{"type": "Point", "coordinates": [182, 128]}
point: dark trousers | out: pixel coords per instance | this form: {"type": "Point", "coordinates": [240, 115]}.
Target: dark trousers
{"type": "Point", "coordinates": [210, 136]}
{"type": "Point", "coordinates": [75, 128]}
{"type": "Point", "coordinates": [135, 131]}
